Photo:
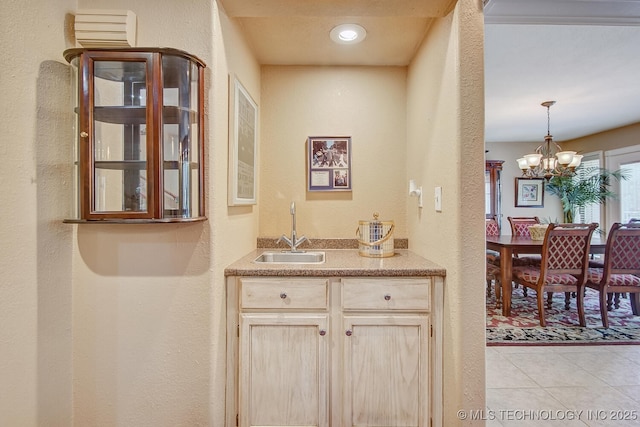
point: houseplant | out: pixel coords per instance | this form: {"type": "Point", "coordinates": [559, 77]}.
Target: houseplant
{"type": "Point", "coordinates": [588, 186]}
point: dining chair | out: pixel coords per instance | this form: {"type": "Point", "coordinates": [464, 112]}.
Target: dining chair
{"type": "Point", "coordinates": [520, 224]}
{"type": "Point", "coordinates": [520, 228]}
{"type": "Point", "coordinates": [492, 229]}
{"type": "Point", "coordinates": [599, 263]}
{"type": "Point", "coordinates": [493, 276]}
{"type": "Point", "coordinates": [493, 261]}
{"type": "Point", "coordinates": [621, 272]}
{"type": "Point", "coordinates": [563, 268]}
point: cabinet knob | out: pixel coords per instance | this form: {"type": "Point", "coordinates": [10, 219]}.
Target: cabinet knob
{"type": "Point", "coordinates": [387, 297]}
{"type": "Point", "coordinates": [283, 295]}
{"type": "Point", "coordinates": [84, 134]}
{"type": "Point", "coordinates": [348, 332]}
{"type": "Point", "coordinates": [323, 332]}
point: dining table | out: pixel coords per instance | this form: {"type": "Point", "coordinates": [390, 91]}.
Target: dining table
{"type": "Point", "coordinates": [508, 246]}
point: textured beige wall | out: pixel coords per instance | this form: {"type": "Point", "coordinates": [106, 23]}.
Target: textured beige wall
{"type": "Point", "coordinates": [142, 294]}
{"type": "Point", "coordinates": [609, 140]}
{"type": "Point", "coordinates": [236, 226]}
{"type": "Point", "coordinates": [366, 103]}
{"type": "Point", "coordinates": [235, 229]}
{"type": "Point", "coordinates": [445, 147]}
{"type": "Point", "coordinates": [148, 318]}
{"type": "Point", "coordinates": [35, 247]}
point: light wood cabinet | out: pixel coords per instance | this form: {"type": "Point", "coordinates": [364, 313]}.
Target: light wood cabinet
{"type": "Point", "coordinates": [282, 350]}
{"type": "Point", "coordinates": [386, 374]}
{"type": "Point", "coordinates": [386, 352]}
{"type": "Point", "coordinates": [334, 351]}
{"type": "Point", "coordinates": [284, 375]}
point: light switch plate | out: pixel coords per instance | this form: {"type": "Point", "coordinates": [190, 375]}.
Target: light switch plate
{"type": "Point", "coordinates": [438, 199]}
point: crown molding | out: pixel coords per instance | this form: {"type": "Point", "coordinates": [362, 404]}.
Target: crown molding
{"type": "Point", "coordinates": [562, 12]}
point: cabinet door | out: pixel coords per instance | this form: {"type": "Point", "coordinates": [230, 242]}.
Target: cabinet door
{"type": "Point", "coordinates": [386, 370]}
{"type": "Point", "coordinates": [116, 118]}
{"type": "Point", "coordinates": [283, 370]}
{"type": "Point", "coordinates": [493, 189]}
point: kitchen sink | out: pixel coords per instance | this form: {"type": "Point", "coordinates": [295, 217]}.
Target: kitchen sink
{"type": "Point", "coordinates": [290, 258]}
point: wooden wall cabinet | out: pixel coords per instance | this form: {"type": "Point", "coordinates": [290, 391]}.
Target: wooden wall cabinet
{"type": "Point", "coordinates": [492, 172]}
{"type": "Point", "coordinates": [317, 351]}
{"type": "Point", "coordinates": [139, 135]}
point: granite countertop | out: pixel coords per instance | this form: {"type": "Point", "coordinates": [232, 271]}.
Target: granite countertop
{"type": "Point", "coordinates": [340, 263]}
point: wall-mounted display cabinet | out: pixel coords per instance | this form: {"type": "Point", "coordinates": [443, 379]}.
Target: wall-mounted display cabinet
{"type": "Point", "coordinates": [493, 187]}
{"type": "Point", "coordinates": [139, 116]}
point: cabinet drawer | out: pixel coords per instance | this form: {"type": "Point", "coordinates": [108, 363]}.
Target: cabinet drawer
{"type": "Point", "coordinates": [386, 294]}
{"type": "Point", "coordinates": [289, 293]}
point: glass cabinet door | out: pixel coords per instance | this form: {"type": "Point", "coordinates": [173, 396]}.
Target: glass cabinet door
{"type": "Point", "coordinates": [492, 185]}
{"type": "Point", "coordinates": [180, 133]}
{"type": "Point", "coordinates": [119, 142]}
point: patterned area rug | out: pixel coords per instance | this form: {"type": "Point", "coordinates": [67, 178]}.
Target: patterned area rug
{"type": "Point", "coordinates": [563, 328]}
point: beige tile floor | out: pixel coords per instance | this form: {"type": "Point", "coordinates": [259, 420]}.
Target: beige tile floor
{"type": "Point", "coordinates": [563, 386]}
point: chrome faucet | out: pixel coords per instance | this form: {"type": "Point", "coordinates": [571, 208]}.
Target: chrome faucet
{"type": "Point", "coordinates": [294, 241]}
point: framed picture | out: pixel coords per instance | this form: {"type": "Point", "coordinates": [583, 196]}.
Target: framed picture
{"type": "Point", "coordinates": [530, 192]}
{"type": "Point", "coordinates": [243, 132]}
{"type": "Point", "coordinates": [329, 163]}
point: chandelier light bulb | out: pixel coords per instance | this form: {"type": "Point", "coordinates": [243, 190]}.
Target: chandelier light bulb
{"type": "Point", "coordinates": [575, 162]}
{"type": "Point", "coordinates": [533, 160]}
{"type": "Point", "coordinates": [548, 163]}
{"type": "Point", "coordinates": [565, 157]}
{"type": "Point", "coordinates": [522, 163]}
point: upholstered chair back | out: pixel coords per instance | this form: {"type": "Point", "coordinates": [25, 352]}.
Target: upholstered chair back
{"type": "Point", "coordinates": [520, 225]}
{"type": "Point", "coordinates": [491, 227]}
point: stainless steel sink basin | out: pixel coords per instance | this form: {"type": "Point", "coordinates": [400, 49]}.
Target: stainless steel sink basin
{"type": "Point", "coordinates": [291, 258]}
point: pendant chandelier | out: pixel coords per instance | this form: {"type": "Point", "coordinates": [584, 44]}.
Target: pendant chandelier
{"type": "Point", "coordinates": [549, 160]}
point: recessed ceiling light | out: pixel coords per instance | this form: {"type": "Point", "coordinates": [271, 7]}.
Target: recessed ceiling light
{"type": "Point", "coordinates": [348, 34]}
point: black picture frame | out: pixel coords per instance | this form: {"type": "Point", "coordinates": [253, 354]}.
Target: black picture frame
{"type": "Point", "coordinates": [329, 163]}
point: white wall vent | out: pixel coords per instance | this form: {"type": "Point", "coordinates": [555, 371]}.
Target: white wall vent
{"type": "Point", "coordinates": [105, 28]}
